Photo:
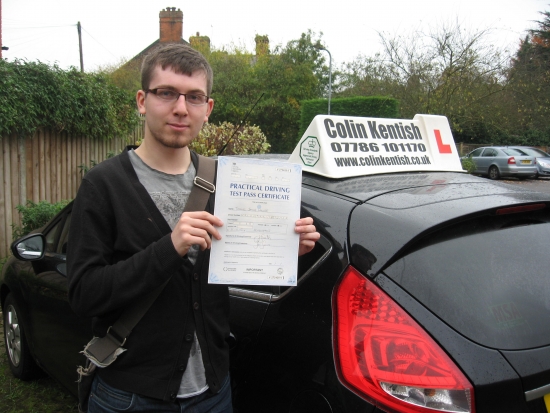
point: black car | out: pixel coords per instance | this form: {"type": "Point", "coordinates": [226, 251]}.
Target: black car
{"type": "Point", "coordinates": [427, 292]}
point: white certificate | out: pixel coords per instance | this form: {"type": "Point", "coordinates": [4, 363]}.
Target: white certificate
{"type": "Point", "coordinates": [259, 203]}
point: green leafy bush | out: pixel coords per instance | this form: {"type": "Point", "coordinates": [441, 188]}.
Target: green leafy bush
{"type": "Point", "coordinates": [35, 215]}
{"type": "Point", "coordinates": [468, 165]}
{"type": "Point", "coordinates": [35, 95]}
{"type": "Point", "coordinates": [248, 140]}
{"type": "Point", "coordinates": [361, 106]}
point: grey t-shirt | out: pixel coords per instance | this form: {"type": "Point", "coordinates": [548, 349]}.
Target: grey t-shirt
{"type": "Point", "coordinates": [170, 194]}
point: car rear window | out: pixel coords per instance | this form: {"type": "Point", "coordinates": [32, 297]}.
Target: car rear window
{"type": "Point", "coordinates": [510, 151]}
{"type": "Point", "coordinates": [534, 152]}
{"type": "Point", "coordinates": [488, 278]}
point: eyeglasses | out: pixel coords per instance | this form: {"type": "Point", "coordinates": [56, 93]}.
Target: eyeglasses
{"type": "Point", "coordinates": [169, 95]}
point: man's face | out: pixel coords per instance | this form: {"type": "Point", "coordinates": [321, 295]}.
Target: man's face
{"type": "Point", "coordinates": [174, 124]}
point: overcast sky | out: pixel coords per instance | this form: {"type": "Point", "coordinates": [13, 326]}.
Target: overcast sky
{"type": "Point", "coordinates": [46, 30]}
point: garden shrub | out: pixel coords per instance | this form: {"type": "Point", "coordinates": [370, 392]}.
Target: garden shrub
{"type": "Point", "coordinates": [468, 165]}
{"type": "Point", "coordinates": [35, 215]}
{"type": "Point", "coordinates": [248, 140]}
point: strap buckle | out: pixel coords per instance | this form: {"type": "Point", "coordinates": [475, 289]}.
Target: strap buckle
{"type": "Point", "coordinates": [114, 337]}
{"type": "Point", "coordinates": [204, 184]}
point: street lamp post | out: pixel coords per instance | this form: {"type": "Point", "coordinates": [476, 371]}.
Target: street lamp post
{"type": "Point", "coordinates": [329, 74]}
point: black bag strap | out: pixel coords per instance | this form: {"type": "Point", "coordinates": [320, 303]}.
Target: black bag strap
{"type": "Point", "coordinates": [203, 184]}
{"type": "Point", "coordinates": [117, 334]}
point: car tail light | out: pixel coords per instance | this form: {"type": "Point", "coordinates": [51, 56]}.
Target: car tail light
{"type": "Point", "coordinates": [511, 160]}
{"type": "Point", "coordinates": [384, 356]}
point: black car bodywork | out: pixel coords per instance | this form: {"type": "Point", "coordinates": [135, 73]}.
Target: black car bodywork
{"type": "Point", "coordinates": [451, 251]}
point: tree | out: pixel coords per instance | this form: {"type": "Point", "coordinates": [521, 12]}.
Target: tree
{"type": "Point", "coordinates": [541, 36]}
{"type": "Point", "coordinates": [282, 79]}
{"type": "Point", "coordinates": [235, 89]}
{"type": "Point", "coordinates": [125, 74]}
{"type": "Point", "coordinates": [529, 80]}
{"type": "Point", "coordinates": [288, 77]}
{"type": "Point", "coordinates": [447, 71]}
{"type": "Point", "coordinates": [367, 76]}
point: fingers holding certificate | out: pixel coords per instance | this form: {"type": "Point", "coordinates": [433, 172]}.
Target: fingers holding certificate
{"type": "Point", "coordinates": [259, 203]}
{"type": "Point", "coordinates": [195, 228]}
{"type": "Point", "coordinates": [308, 235]}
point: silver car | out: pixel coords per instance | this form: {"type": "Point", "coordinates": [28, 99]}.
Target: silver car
{"type": "Point", "coordinates": [543, 159]}
{"type": "Point", "coordinates": [503, 161]}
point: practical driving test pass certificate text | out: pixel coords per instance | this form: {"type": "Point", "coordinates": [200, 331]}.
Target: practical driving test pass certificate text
{"type": "Point", "coordinates": [259, 203]}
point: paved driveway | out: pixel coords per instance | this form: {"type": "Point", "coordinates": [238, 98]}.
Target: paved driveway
{"type": "Point", "coordinates": [541, 184]}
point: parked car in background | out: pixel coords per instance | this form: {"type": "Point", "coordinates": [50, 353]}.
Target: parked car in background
{"type": "Point", "coordinates": [543, 159]}
{"type": "Point", "coordinates": [502, 161]}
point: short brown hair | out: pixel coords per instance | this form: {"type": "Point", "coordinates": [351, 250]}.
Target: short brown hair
{"type": "Point", "coordinates": [181, 58]}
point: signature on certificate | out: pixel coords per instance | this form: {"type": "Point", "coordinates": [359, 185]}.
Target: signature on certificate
{"type": "Point", "coordinates": [261, 241]}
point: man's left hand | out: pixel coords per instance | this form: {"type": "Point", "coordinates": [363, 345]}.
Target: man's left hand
{"type": "Point", "coordinates": [308, 235]}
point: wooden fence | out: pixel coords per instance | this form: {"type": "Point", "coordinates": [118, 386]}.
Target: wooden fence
{"type": "Point", "coordinates": [48, 166]}
{"type": "Point", "coordinates": [466, 148]}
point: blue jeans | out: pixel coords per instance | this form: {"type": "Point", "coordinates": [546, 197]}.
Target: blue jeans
{"type": "Point", "coordinates": [107, 399]}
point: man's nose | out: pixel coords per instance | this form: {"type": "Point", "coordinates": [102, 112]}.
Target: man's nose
{"type": "Point", "coordinates": [180, 105]}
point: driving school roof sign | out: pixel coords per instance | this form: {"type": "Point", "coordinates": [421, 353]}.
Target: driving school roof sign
{"type": "Point", "coordinates": [343, 146]}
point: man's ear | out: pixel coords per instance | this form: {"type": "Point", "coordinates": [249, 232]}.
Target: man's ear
{"type": "Point", "coordinates": [140, 100]}
{"type": "Point", "coordinates": [209, 109]}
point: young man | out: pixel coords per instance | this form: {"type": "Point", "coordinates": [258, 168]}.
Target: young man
{"type": "Point", "coordinates": [129, 236]}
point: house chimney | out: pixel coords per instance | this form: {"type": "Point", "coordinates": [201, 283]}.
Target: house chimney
{"type": "Point", "coordinates": [262, 45]}
{"type": "Point", "coordinates": [200, 43]}
{"type": "Point", "coordinates": [171, 25]}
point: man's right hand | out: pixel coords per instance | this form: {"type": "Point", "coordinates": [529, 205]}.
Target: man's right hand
{"type": "Point", "coordinates": [195, 228]}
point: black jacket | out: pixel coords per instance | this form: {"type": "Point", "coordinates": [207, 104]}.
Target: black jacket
{"type": "Point", "coordinates": [119, 250]}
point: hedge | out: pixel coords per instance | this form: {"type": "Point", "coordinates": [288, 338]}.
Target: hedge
{"type": "Point", "coordinates": [371, 106]}
{"type": "Point", "coordinates": [35, 95]}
